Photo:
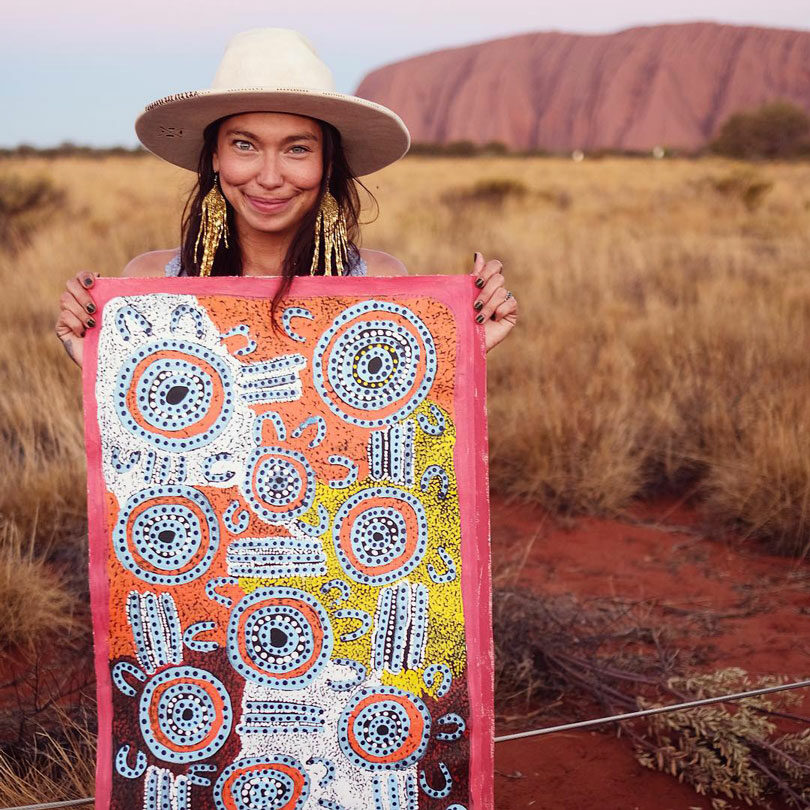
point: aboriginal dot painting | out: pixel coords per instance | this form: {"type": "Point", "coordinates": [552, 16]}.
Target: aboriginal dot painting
{"type": "Point", "coordinates": [289, 545]}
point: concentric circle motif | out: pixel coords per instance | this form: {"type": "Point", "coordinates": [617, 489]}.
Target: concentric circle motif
{"type": "Point", "coordinates": [384, 728]}
{"type": "Point", "coordinates": [375, 363]}
{"type": "Point", "coordinates": [380, 534]}
{"type": "Point", "coordinates": [279, 637]}
{"type": "Point", "coordinates": [167, 534]}
{"type": "Point", "coordinates": [185, 714]}
{"type": "Point", "coordinates": [277, 782]}
{"type": "Point", "coordinates": [175, 394]}
{"type": "Point", "coordinates": [279, 484]}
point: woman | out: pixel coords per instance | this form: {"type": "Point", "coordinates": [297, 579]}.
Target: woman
{"type": "Point", "coordinates": [276, 191]}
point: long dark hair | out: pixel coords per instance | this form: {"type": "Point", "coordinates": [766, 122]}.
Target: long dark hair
{"type": "Point", "coordinates": [337, 178]}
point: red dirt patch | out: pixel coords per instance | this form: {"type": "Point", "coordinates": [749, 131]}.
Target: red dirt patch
{"type": "Point", "coordinates": [752, 610]}
{"type": "Point", "coordinates": [579, 770]}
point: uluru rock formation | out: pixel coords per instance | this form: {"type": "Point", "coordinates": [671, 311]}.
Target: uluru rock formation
{"type": "Point", "coordinates": [669, 85]}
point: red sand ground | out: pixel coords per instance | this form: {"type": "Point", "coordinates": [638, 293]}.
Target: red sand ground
{"type": "Point", "coordinates": [760, 605]}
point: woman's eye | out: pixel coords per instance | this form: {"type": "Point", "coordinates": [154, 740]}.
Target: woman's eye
{"type": "Point", "coordinates": [303, 149]}
{"type": "Point", "coordinates": [242, 146]}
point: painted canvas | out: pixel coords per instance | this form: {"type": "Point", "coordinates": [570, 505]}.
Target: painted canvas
{"type": "Point", "coordinates": [289, 536]}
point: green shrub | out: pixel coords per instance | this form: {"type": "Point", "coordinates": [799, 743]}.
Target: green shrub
{"type": "Point", "coordinates": [778, 130]}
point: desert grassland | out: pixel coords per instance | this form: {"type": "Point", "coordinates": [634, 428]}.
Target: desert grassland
{"type": "Point", "coordinates": [663, 334]}
{"type": "Point", "coordinates": [662, 343]}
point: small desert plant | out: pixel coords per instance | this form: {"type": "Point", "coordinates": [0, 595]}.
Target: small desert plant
{"type": "Point", "coordinates": [731, 750]}
{"type": "Point", "coordinates": [553, 650]}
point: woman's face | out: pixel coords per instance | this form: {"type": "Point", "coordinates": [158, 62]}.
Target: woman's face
{"type": "Point", "coordinates": [270, 167]}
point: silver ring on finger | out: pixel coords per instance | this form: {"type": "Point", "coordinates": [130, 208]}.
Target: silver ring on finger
{"type": "Point", "coordinates": [509, 294]}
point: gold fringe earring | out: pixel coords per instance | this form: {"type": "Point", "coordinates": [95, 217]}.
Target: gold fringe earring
{"type": "Point", "coordinates": [331, 227]}
{"type": "Point", "coordinates": [213, 227]}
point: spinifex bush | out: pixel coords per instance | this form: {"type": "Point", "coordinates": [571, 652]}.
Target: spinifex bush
{"type": "Point", "coordinates": [35, 604]}
{"type": "Point", "coordinates": [26, 203]}
{"type": "Point", "coordinates": [730, 751]}
{"type": "Point", "coordinates": [747, 186]}
{"type": "Point", "coordinates": [491, 192]}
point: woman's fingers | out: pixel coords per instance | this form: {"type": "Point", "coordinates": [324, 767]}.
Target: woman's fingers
{"type": "Point", "coordinates": [493, 304]}
{"type": "Point", "coordinates": [76, 306]}
{"type": "Point", "coordinates": [68, 303]}
{"type": "Point", "coordinates": [478, 266]}
{"type": "Point", "coordinates": [483, 270]}
{"type": "Point", "coordinates": [507, 306]}
{"type": "Point", "coordinates": [78, 287]}
{"type": "Point", "coordinates": [492, 292]}
{"type": "Point", "coordinates": [490, 298]}
{"type": "Point", "coordinates": [69, 324]}
{"type": "Point", "coordinates": [488, 276]}
{"type": "Point", "coordinates": [76, 314]}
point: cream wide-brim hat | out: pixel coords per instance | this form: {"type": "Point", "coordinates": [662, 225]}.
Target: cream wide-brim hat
{"type": "Point", "coordinates": [272, 70]}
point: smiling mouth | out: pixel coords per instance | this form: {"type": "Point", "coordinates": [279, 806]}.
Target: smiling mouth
{"type": "Point", "coordinates": [264, 205]}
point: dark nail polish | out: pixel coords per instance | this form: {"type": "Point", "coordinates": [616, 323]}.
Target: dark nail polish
{"type": "Point", "coordinates": [475, 256]}
{"type": "Point", "coordinates": [91, 322]}
{"type": "Point", "coordinates": [88, 282]}
{"type": "Point", "coordinates": [478, 304]}
{"type": "Point", "coordinates": [91, 308]}
{"type": "Point", "coordinates": [479, 282]}
{"type": "Point", "coordinates": [479, 319]}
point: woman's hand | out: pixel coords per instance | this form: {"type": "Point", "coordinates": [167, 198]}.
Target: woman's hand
{"type": "Point", "coordinates": [496, 307]}
{"type": "Point", "coordinates": [76, 309]}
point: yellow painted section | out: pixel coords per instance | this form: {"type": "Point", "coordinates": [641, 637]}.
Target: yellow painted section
{"type": "Point", "coordinates": [445, 631]}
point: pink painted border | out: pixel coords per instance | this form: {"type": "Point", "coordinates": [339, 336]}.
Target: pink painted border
{"type": "Point", "coordinates": [470, 456]}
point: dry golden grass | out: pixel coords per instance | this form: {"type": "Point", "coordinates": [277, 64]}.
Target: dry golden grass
{"type": "Point", "coordinates": [34, 603]}
{"type": "Point", "coordinates": [661, 345]}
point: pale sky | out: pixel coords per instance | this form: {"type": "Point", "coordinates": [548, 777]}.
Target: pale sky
{"type": "Point", "coordinates": [82, 70]}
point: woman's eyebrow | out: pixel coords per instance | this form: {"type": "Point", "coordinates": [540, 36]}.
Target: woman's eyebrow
{"type": "Point", "coordinates": [244, 133]}
{"type": "Point", "coordinates": [300, 136]}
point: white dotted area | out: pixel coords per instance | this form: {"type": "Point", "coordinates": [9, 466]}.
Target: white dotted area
{"type": "Point", "coordinates": [352, 787]}
{"type": "Point", "coordinates": [234, 439]}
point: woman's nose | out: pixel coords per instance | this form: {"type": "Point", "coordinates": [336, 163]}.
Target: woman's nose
{"type": "Point", "coordinates": [270, 172]}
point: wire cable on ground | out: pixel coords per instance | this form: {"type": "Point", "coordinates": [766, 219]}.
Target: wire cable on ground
{"type": "Point", "coordinates": [690, 704]}
{"type": "Point", "coordinates": [598, 721]}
